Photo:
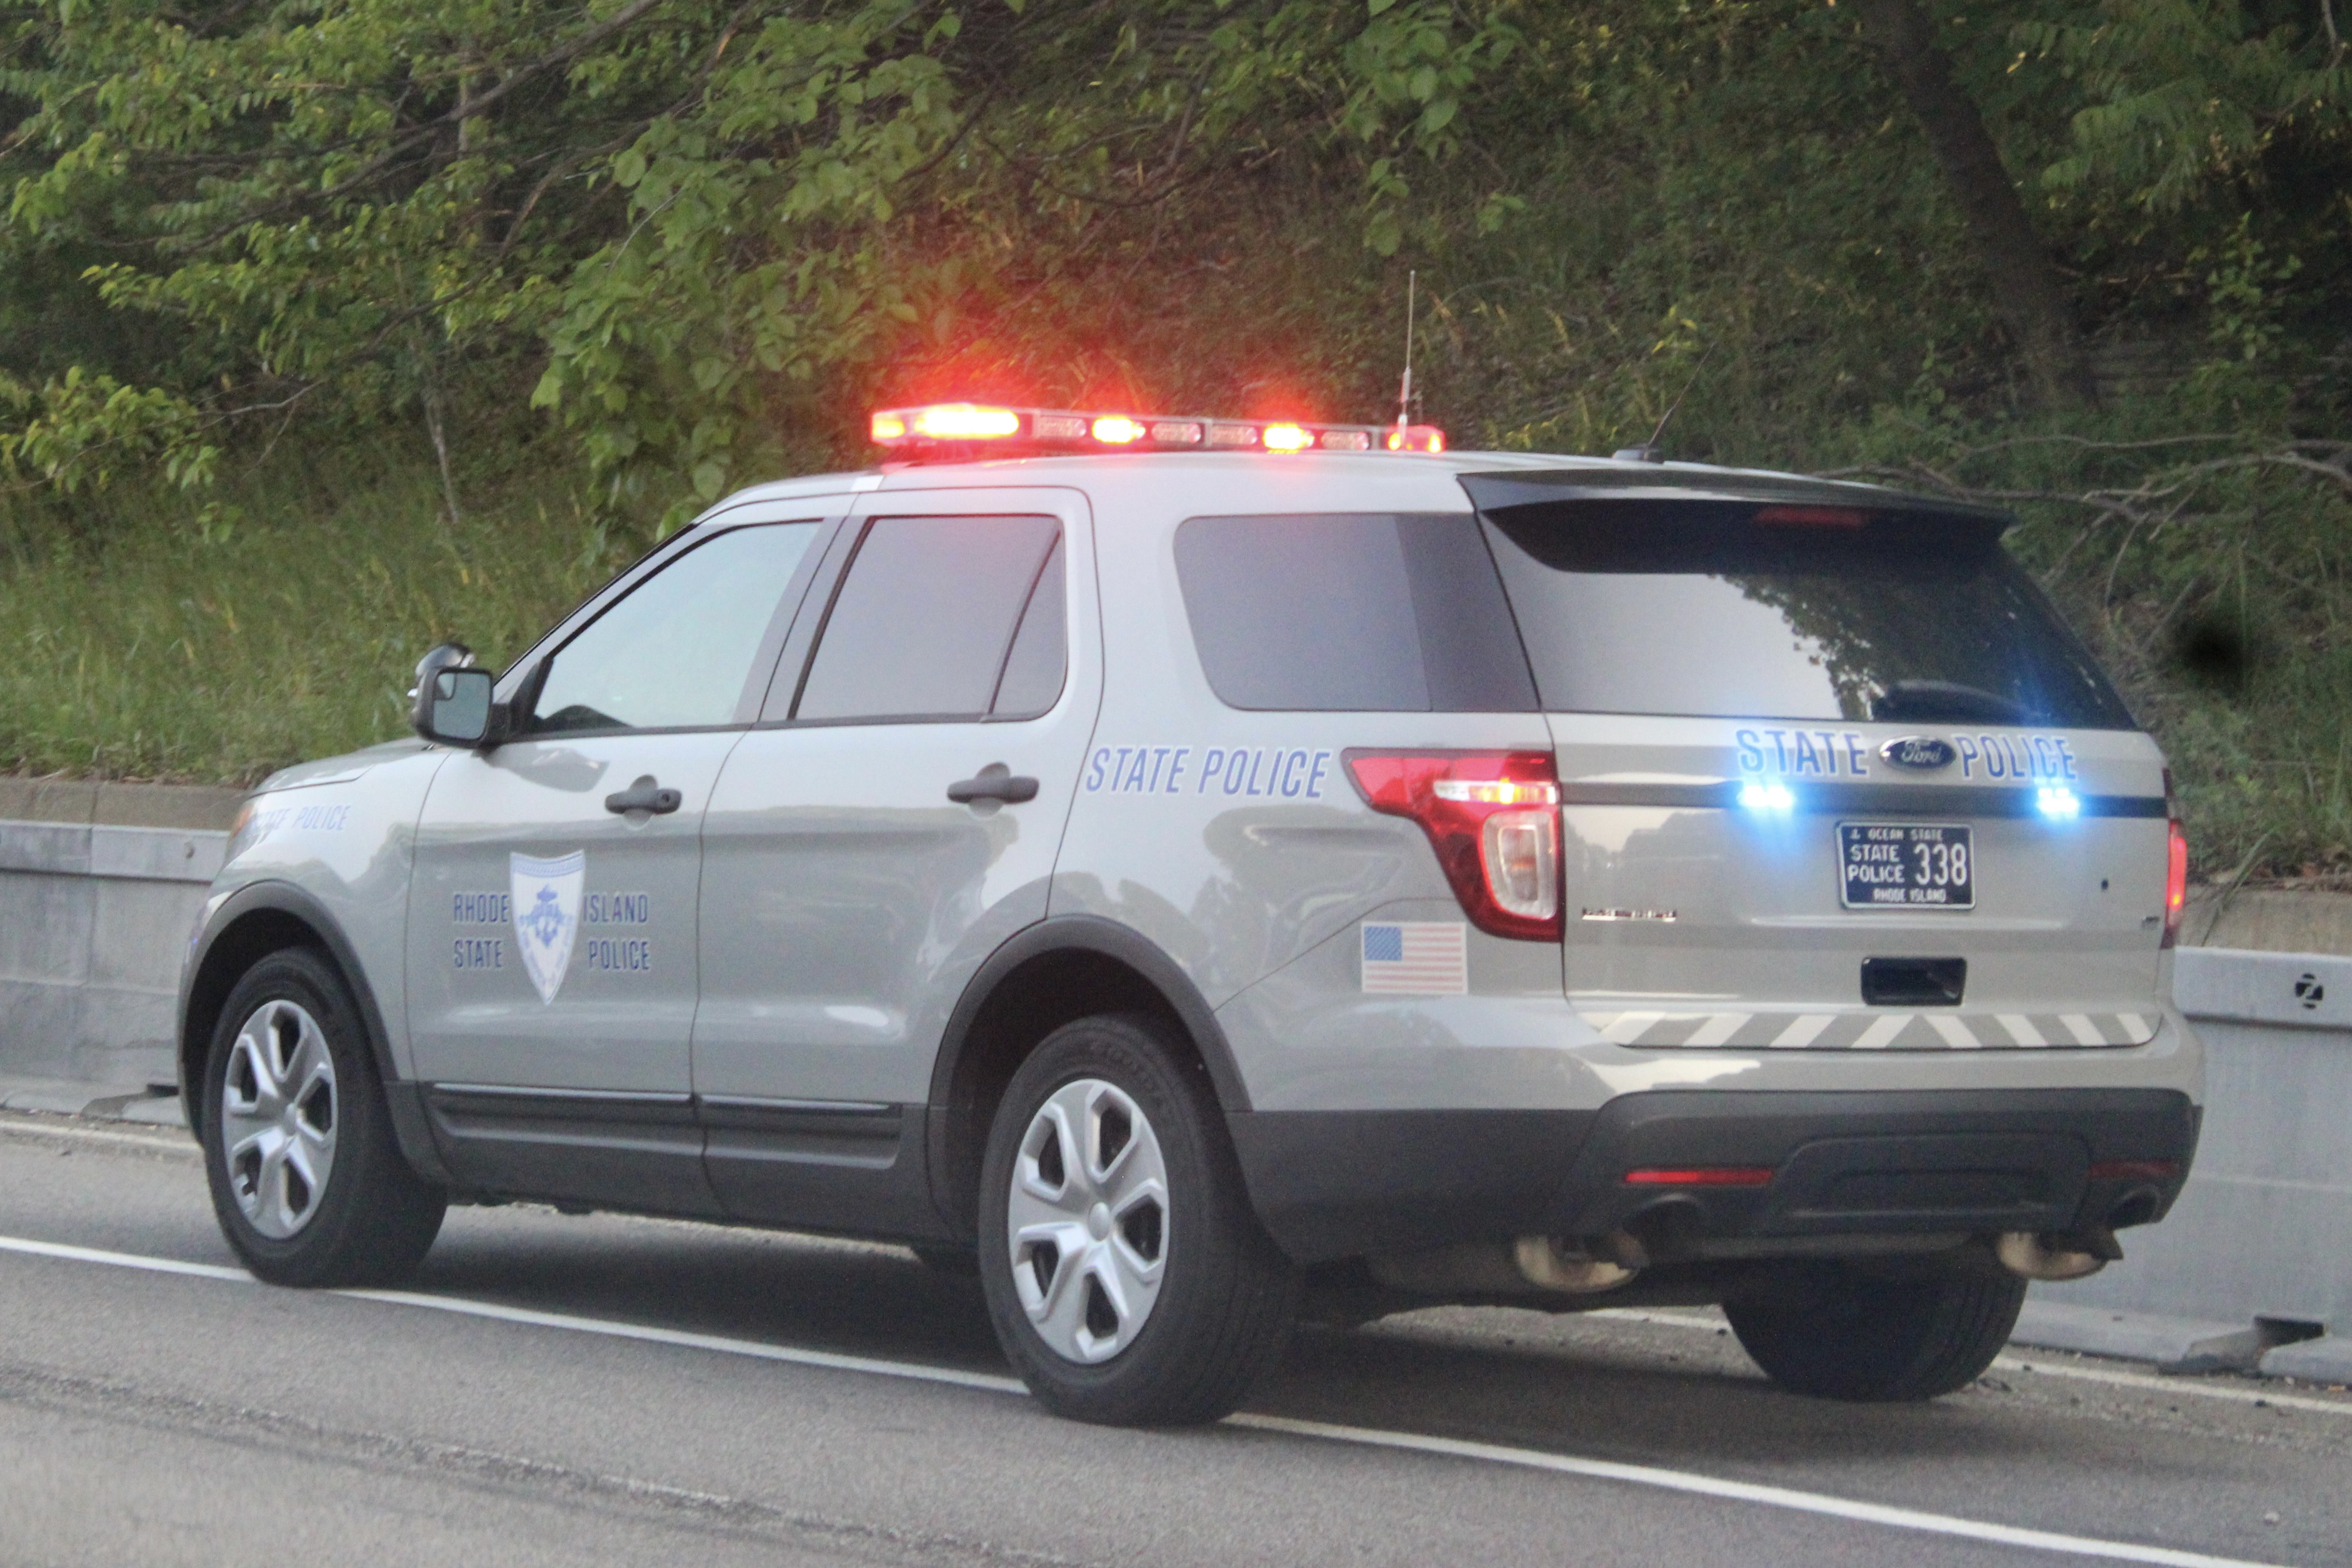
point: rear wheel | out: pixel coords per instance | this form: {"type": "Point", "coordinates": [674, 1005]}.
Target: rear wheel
{"type": "Point", "coordinates": [309, 1185]}
{"type": "Point", "coordinates": [1127, 1278]}
{"type": "Point", "coordinates": [1845, 1335]}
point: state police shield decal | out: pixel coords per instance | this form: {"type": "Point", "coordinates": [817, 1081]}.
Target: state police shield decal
{"type": "Point", "coordinates": [547, 914]}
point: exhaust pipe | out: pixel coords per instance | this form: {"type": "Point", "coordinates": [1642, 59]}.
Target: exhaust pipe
{"type": "Point", "coordinates": [2032, 1255]}
{"type": "Point", "coordinates": [1542, 1262]}
{"type": "Point", "coordinates": [1520, 1268]}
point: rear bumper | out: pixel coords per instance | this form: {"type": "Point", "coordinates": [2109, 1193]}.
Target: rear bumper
{"type": "Point", "coordinates": [1340, 1184]}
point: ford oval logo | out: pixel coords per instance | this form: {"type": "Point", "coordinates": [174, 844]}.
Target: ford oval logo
{"type": "Point", "coordinates": [1924, 752]}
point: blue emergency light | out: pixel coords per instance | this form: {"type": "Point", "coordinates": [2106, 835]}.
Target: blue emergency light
{"type": "Point", "coordinates": [2058, 803]}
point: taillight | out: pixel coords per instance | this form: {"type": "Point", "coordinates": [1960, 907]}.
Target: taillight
{"type": "Point", "coordinates": [2175, 880]}
{"type": "Point", "coordinates": [1493, 817]}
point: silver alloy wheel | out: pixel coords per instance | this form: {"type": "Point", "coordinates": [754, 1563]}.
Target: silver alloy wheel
{"type": "Point", "coordinates": [1088, 1220]}
{"type": "Point", "coordinates": [277, 1118]}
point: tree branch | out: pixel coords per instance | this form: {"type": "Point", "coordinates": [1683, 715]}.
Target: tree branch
{"type": "Point", "coordinates": [465, 109]}
{"type": "Point", "coordinates": [2026, 290]}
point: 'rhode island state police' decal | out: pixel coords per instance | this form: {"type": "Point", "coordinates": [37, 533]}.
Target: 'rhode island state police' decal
{"type": "Point", "coordinates": [547, 914]}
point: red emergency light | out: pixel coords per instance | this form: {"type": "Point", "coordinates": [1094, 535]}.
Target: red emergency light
{"type": "Point", "coordinates": [961, 429]}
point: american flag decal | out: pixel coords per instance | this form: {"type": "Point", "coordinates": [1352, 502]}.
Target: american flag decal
{"type": "Point", "coordinates": [1417, 958]}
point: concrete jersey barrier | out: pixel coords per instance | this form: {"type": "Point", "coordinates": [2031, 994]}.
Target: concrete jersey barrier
{"type": "Point", "coordinates": [2252, 1270]}
{"type": "Point", "coordinates": [100, 884]}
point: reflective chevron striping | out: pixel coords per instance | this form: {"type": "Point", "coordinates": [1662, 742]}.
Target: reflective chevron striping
{"type": "Point", "coordinates": [1872, 1029]}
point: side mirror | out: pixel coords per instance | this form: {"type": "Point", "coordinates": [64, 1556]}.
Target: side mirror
{"type": "Point", "coordinates": [452, 699]}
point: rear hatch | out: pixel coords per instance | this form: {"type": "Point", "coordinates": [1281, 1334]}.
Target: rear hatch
{"type": "Point", "coordinates": [1834, 773]}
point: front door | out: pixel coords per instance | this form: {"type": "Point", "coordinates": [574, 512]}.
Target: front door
{"type": "Point", "coordinates": [892, 822]}
{"type": "Point", "coordinates": [551, 968]}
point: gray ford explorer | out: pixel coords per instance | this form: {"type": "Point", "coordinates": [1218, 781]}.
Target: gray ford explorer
{"type": "Point", "coordinates": [1214, 870]}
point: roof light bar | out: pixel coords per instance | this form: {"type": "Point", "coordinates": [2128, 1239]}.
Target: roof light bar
{"type": "Point", "coordinates": [945, 421]}
{"type": "Point", "coordinates": [975, 427]}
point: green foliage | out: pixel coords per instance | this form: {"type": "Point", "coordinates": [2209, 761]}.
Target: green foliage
{"type": "Point", "coordinates": [79, 430]}
{"type": "Point", "coordinates": [141, 648]}
{"type": "Point", "coordinates": [700, 230]}
{"type": "Point", "coordinates": [2182, 94]}
{"type": "Point", "coordinates": [688, 215]}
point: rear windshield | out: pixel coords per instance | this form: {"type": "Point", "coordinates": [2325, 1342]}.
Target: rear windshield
{"type": "Point", "coordinates": [1697, 607]}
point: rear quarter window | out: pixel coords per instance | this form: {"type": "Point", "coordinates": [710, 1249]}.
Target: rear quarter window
{"type": "Point", "coordinates": [1348, 611]}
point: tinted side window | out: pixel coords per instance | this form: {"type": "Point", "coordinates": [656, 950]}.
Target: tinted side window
{"type": "Point", "coordinates": [1040, 656]}
{"type": "Point", "coordinates": [1352, 611]}
{"type": "Point", "coordinates": [677, 651]}
{"type": "Point", "coordinates": [924, 623]}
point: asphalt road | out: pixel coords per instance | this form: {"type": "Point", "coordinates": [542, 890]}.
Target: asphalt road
{"type": "Point", "coordinates": [617, 1391]}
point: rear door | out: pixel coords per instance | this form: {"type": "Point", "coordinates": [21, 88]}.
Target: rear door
{"type": "Point", "coordinates": [1834, 774]}
{"type": "Point", "coordinates": [894, 819]}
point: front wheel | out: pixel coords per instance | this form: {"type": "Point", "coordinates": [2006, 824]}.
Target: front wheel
{"type": "Point", "coordinates": [307, 1180]}
{"type": "Point", "coordinates": [1847, 1335]}
{"type": "Point", "coordinates": [1129, 1282]}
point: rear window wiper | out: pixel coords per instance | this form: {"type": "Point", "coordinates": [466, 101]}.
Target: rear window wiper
{"type": "Point", "coordinates": [1920, 702]}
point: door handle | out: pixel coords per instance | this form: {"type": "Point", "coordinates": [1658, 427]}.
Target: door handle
{"type": "Point", "coordinates": [993, 782]}
{"type": "Point", "coordinates": [645, 795]}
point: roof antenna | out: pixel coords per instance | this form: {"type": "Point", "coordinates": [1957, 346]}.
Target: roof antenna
{"type": "Point", "coordinates": [1404, 389]}
{"type": "Point", "coordinates": [1648, 451]}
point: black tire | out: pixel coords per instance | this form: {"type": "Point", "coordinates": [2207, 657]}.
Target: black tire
{"type": "Point", "coordinates": [1226, 1296]}
{"type": "Point", "coordinates": [374, 1217]}
{"type": "Point", "coordinates": [1846, 1335]}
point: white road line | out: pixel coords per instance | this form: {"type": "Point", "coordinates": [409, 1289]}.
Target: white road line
{"type": "Point", "coordinates": [696, 1341]}
{"type": "Point", "coordinates": [1746, 1491]}
{"type": "Point", "coordinates": [161, 1141]}
{"type": "Point", "coordinates": [724, 1346]}
{"type": "Point", "coordinates": [1682, 1481]}
{"type": "Point", "coordinates": [125, 1259]}
{"type": "Point", "coordinates": [2150, 1381]}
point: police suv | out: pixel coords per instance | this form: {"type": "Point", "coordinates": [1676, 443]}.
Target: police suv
{"type": "Point", "coordinates": [1211, 870]}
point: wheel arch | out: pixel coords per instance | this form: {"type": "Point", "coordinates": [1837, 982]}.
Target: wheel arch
{"type": "Point", "coordinates": [269, 917]}
{"type": "Point", "coordinates": [1058, 970]}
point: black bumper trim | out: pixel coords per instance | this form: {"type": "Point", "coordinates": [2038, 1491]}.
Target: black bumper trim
{"type": "Point", "coordinates": [1338, 1184]}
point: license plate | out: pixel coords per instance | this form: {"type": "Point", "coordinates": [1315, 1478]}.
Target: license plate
{"type": "Point", "coordinates": [1906, 865]}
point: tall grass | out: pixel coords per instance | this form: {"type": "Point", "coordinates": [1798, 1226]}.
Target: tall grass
{"type": "Point", "coordinates": [136, 641]}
